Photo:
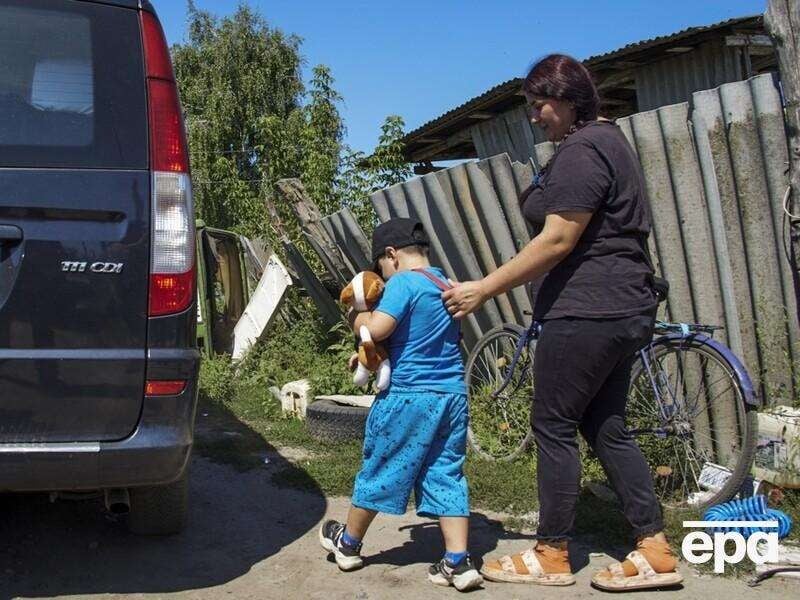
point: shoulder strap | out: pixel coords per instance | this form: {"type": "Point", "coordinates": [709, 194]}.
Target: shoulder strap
{"type": "Point", "coordinates": [437, 282]}
{"type": "Point", "coordinates": [444, 286]}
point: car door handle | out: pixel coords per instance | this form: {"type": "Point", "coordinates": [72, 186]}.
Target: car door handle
{"type": "Point", "coordinates": [10, 233]}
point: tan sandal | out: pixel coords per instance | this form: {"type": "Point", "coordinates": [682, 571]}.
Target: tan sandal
{"type": "Point", "coordinates": [646, 578]}
{"type": "Point", "coordinates": [523, 567]}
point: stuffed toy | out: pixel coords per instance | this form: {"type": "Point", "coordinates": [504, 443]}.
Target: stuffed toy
{"type": "Point", "coordinates": [362, 294]}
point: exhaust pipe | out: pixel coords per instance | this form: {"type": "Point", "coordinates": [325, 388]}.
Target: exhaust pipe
{"type": "Point", "coordinates": [118, 501]}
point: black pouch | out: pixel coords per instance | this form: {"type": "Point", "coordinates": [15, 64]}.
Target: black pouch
{"type": "Point", "coordinates": [659, 284]}
{"type": "Point", "coordinates": [660, 287]}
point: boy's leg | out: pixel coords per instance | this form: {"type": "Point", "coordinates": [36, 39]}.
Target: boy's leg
{"type": "Point", "coordinates": [344, 539]}
{"type": "Point", "coordinates": [358, 521]}
{"type": "Point", "coordinates": [441, 488]}
{"type": "Point", "coordinates": [397, 437]}
{"type": "Point", "coordinates": [441, 491]}
{"type": "Point", "coordinates": [454, 531]}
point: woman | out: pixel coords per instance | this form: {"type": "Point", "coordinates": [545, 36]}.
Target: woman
{"type": "Point", "coordinates": [597, 307]}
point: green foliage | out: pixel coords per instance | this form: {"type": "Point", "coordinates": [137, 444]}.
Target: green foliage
{"type": "Point", "coordinates": [508, 487]}
{"type": "Point", "coordinates": [231, 72]}
{"type": "Point", "coordinates": [217, 378]}
{"type": "Point", "coordinates": [296, 348]}
{"type": "Point", "coordinates": [306, 144]}
{"type": "Point", "coordinates": [387, 163]}
{"type": "Point", "coordinates": [251, 121]}
{"type": "Point", "coordinates": [361, 175]}
{"type": "Point", "coordinates": [331, 471]}
{"type": "Point", "coordinates": [354, 184]}
{"type": "Point", "coordinates": [322, 141]}
{"type": "Point", "coordinates": [302, 349]}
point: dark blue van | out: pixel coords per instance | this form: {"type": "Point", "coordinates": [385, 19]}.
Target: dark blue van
{"type": "Point", "coordinates": [98, 357]}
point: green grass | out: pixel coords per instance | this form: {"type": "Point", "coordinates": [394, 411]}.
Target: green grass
{"type": "Point", "coordinates": [241, 405]}
{"type": "Point", "coordinates": [502, 487]}
{"type": "Point", "coordinates": [254, 425]}
{"type": "Point", "coordinates": [332, 472]}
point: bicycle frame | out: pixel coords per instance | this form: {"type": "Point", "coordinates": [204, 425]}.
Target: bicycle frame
{"type": "Point", "coordinates": [531, 333]}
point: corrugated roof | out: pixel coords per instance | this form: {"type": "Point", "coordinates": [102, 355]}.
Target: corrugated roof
{"type": "Point", "coordinates": [511, 86]}
{"type": "Point", "coordinates": [672, 37]}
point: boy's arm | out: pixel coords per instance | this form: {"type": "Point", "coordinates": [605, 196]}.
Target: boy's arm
{"type": "Point", "coordinates": [391, 309]}
{"type": "Point", "coordinates": [380, 324]}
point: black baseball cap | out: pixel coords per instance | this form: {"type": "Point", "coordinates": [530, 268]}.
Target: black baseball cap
{"type": "Point", "coordinates": [397, 233]}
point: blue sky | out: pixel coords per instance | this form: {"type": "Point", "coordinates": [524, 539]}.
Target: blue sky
{"type": "Point", "coordinates": [420, 59]}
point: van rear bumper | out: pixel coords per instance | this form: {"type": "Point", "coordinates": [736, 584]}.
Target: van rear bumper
{"type": "Point", "coordinates": [157, 452]}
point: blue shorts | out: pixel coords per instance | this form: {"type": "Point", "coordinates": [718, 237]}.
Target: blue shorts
{"type": "Point", "coordinates": [415, 439]}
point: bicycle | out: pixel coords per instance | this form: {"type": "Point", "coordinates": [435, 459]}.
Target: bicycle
{"type": "Point", "coordinates": [698, 437]}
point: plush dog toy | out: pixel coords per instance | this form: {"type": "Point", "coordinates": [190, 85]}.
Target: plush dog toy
{"type": "Point", "coordinates": [362, 293]}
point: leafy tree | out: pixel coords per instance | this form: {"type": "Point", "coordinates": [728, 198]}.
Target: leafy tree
{"type": "Point", "coordinates": [354, 184]}
{"type": "Point", "coordinates": [387, 163]}
{"type": "Point", "coordinates": [322, 141]}
{"type": "Point", "coordinates": [243, 95]}
{"type": "Point", "coordinates": [361, 175]}
{"type": "Point", "coordinates": [251, 121]}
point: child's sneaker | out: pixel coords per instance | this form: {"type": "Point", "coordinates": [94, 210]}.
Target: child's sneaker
{"type": "Point", "coordinates": [464, 576]}
{"type": "Point", "coordinates": [330, 537]}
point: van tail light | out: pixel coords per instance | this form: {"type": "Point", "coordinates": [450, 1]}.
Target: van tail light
{"type": "Point", "coordinates": [155, 387]}
{"type": "Point", "coordinates": [172, 268]}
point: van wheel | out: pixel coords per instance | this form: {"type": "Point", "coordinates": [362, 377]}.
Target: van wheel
{"type": "Point", "coordinates": [159, 509]}
{"type": "Point", "coordinates": [328, 421]}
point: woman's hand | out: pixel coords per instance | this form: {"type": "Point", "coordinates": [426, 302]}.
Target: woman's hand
{"type": "Point", "coordinates": [465, 298]}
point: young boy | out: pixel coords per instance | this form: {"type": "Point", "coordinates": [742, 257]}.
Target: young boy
{"type": "Point", "coordinates": [415, 435]}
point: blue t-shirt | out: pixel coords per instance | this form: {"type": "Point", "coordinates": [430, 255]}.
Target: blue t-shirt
{"type": "Point", "coordinates": [424, 348]}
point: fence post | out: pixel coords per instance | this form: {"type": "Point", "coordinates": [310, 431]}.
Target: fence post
{"type": "Point", "coordinates": [782, 20]}
{"type": "Point", "coordinates": [293, 193]}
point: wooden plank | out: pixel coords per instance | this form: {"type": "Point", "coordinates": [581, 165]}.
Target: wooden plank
{"type": "Point", "coordinates": [748, 40]}
{"type": "Point", "coordinates": [782, 21]}
{"type": "Point", "coordinates": [292, 193]}
{"type": "Point", "coordinates": [328, 308]}
{"type": "Point", "coordinates": [482, 115]}
{"type": "Point", "coordinates": [615, 80]}
{"type": "Point", "coordinates": [262, 308]}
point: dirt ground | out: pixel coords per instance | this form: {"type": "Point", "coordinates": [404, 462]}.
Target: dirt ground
{"type": "Point", "coordinates": [247, 538]}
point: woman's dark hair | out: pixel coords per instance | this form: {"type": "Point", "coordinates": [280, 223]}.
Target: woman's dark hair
{"type": "Point", "coordinates": [564, 78]}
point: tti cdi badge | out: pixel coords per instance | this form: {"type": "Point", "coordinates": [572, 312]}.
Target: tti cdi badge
{"type": "Point", "coordinates": [74, 266]}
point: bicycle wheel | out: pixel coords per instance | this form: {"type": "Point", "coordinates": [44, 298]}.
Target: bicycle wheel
{"type": "Point", "coordinates": [499, 427]}
{"type": "Point", "coordinates": [701, 425]}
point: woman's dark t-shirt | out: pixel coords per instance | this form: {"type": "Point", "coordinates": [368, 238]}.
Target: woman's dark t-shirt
{"type": "Point", "coordinates": [607, 274]}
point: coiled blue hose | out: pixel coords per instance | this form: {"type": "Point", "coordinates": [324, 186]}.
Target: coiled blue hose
{"type": "Point", "coordinates": [753, 508]}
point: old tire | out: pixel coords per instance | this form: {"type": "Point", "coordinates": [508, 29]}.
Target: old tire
{"type": "Point", "coordinates": [328, 421]}
{"type": "Point", "coordinates": [159, 510]}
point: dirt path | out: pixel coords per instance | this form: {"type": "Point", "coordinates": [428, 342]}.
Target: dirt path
{"type": "Point", "coordinates": [248, 538]}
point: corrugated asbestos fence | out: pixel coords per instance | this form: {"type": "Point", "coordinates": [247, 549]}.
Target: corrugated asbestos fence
{"type": "Point", "coordinates": [716, 176]}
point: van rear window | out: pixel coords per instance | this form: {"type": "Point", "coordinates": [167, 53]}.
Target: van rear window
{"type": "Point", "coordinates": [72, 86]}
